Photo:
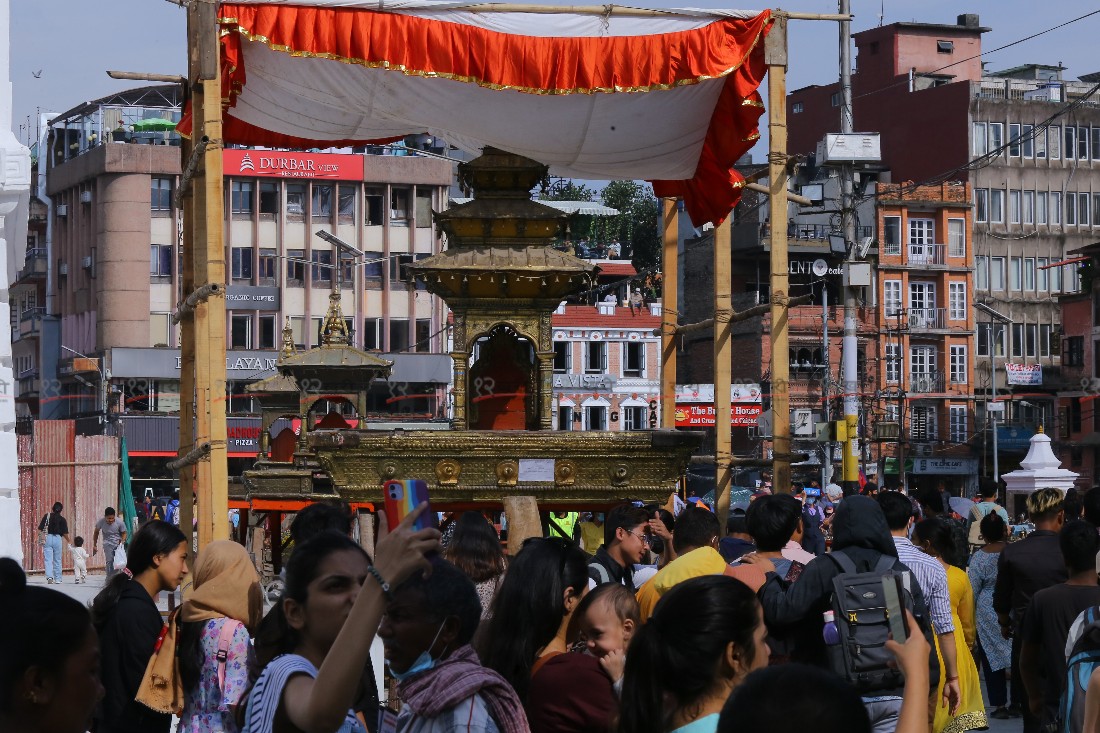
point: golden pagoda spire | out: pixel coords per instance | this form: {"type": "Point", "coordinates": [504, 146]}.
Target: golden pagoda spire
{"type": "Point", "coordinates": [288, 340]}
{"type": "Point", "coordinates": [335, 330]}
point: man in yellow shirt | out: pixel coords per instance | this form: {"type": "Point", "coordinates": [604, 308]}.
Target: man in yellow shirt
{"type": "Point", "coordinates": [592, 532]}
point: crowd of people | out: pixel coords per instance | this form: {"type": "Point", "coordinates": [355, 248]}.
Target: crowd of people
{"type": "Point", "coordinates": [645, 619]}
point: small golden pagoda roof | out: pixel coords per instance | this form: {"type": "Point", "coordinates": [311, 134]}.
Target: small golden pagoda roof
{"type": "Point", "coordinates": [335, 365]}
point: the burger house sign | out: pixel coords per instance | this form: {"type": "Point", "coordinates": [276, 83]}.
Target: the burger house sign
{"type": "Point", "coordinates": [275, 164]}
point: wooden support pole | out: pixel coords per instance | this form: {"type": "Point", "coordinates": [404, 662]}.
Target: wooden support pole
{"type": "Point", "coordinates": [775, 51]}
{"type": "Point", "coordinates": [756, 310]}
{"type": "Point", "coordinates": [203, 244]}
{"type": "Point", "coordinates": [670, 274]}
{"type": "Point", "coordinates": [524, 522]}
{"type": "Point", "coordinates": [723, 367]}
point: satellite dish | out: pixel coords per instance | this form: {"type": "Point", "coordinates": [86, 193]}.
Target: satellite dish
{"type": "Point", "coordinates": [820, 267]}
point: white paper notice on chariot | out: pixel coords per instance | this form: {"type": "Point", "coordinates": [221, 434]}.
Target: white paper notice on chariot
{"type": "Point", "coordinates": [536, 470]}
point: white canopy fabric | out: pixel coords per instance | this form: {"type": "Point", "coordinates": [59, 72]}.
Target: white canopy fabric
{"type": "Point", "coordinates": [668, 97]}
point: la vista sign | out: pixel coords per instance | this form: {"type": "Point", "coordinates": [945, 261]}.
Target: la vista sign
{"type": "Point", "coordinates": [274, 164]}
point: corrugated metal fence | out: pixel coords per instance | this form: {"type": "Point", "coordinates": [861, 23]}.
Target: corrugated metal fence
{"type": "Point", "coordinates": [81, 472]}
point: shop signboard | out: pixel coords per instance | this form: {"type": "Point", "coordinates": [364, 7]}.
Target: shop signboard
{"type": "Point", "coordinates": [945, 466]}
{"type": "Point", "coordinates": [1024, 374]}
{"type": "Point", "coordinates": [701, 415]}
{"type": "Point", "coordinates": [276, 164]}
{"type": "Point", "coordinates": [251, 298]}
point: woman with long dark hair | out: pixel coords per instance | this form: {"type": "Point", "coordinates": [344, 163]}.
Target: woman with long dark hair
{"type": "Point", "coordinates": [706, 634]}
{"type": "Point", "coordinates": [125, 614]}
{"type": "Point", "coordinates": [314, 643]}
{"type": "Point", "coordinates": [935, 537]}
{"type": "Point", "coordinates": [49, 666]}
{"type": "Point", "coordinates": [475, 550]}
{"type": "Point", "coordinates": [215, 651]}
{"type": "Point", "coordinates": [994, 651]}
{"type": "Point", "coordinates": [526, 641]}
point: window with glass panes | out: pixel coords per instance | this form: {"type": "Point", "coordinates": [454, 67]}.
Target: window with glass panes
{"type": "Point", "coordinates": [322, 201]}
{"type": "Point", "coordinates": [160, 261]}
{"type": "Point", "coordinates": [242, 264]}
{"type": "Point", "coordinates": [562, 356]}
{"type": "Point", "coordinates": [957, 419]}
{"type": "Point", "coordinates": [893, 363]}
{"type": "Point", "coordinates": [633, 359]}
{"type": "Point", "coordinates": [372, 334]}
{"type": "Point", "coordinates": [956, 237]}
{"type": "Point", "coordinates": [981, 139]}
{"type": "Point", "coordinates": [1017, 339]}
{"type": "Point", "coordinates": [891, 235]}
{"type": "Point", "coordinates": [240, 200]}
{"type": "Point", "coordinates": [958, 364]}
{"type": "Point", "coordinates": [375, 197]}
{"type": "Point", "coordinates": [597, 417]}
{"type": "Point", "coordinates": [1083, 209]}
{"type": "Point", "coordinates": [1029, 207]}
{"type": "Point", "coordinates": [595, 357]}
{"type": "Point", "coordinates": [399, 334]}
{"type": "Point", "coordinates": [891, 297]}
{"type": "Point", "coordinates": [399, 205]}
{"type": "Point", "coordinates": [981, 204]}
{"type": "Point", "coordinates": [565, 417]}
{"type": "Point", "coordinates": [269, 267]}
{"type": "Point", "coordinates": [1028, 141]}
{"type": "Point", "coordinates": [1029, 273]}
{"type": "Point", "coordinates": [269, 197]}
{"type": "Point", "coordinates": [321, 270]}
{"type": "Point", "coordinates": [1013, 206]}
{"type": "Point", "coordinates": [1015, 269]}
{"type": "Point", "coordinates": [295, 268]}
{"type": "Point", "coordinates": [423, 334]}
{"type": "Point", "coordinates": [981, 272]}
{"type": "Point", "coordinates": [296, 199]}
{"type": "Point", "coordinates": [346, 204]}
{"type": "Point", "coordinates": [1041, 275]}
{"type": "Point", "coordinates": [240, 332]}
{"type": "Point", "coordinates": [160, 198]}
{"type": "Point", "coordinates": [1040, 207]}
{"type": "Point", "coordinates": [996, 273]}
{"type": "Point", "coordinates": [1055, 207]}
{"type": "Point", "coordinates": [1044, 339]}
{"type": "Point", "coordinates": [956, 293]}
{"type": "Point", "coordinates": [922, 423]}
{"type": "Point", "coordinates": [373, 269]}
{"type": "Point", "coordinates": [1014, 140]}
{"type": "Point", "coordinates": [997, 205]}
{"type": "Point", "coordinates": [269, 333]}
{"type": "Point", "coordinates": [634, 417]}
{"type": "Point", "coordinates": [423, 207]}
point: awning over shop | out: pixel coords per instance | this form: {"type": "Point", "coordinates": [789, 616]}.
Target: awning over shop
{"type": "Point", "coordinates": [668, 97]}
{"type": "Point", "coordinates": [891, 465]}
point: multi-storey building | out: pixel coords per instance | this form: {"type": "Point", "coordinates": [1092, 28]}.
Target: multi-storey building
{"type": "Point", "coordinates": [926, 326]}
{"type": "Point", "coordinates": [115, 260]}
{"type": "Point", "coordinates": [1027, 140]}
{"type": "Point", "coordinates": [607, 366]}
{"type": "Point", "coordinates": [1077, 440]}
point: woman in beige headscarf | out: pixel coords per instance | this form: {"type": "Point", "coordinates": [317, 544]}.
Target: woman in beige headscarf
{"type": "Point", "coordinates": [215, 656]}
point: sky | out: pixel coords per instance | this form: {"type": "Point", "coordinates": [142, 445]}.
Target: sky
{"type": "Point", "coordinates": [61, 49]}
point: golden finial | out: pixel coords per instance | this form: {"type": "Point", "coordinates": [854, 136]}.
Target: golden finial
{"type": "Point", "coordinates": [288, 340]}
{"type": "Point", "coordinates": [335, 329]}
{"type": "Point", "coordinates": [1041, 431]}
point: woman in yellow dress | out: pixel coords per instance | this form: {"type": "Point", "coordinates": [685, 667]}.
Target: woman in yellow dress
{"type": "Point", "coordinates": [934, 538]}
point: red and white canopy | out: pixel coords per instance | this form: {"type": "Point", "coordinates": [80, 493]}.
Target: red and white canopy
{"type": "Point", "coordinates": [668, 97]}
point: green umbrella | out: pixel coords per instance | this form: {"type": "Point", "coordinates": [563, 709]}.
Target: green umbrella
{"type": "Point", "coordinates": [154, 124]}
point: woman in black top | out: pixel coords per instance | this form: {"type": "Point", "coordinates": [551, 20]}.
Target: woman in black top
{"type": "Point", "coordinates": [126, 616]}
{"type": "Point", "coordinates": [56, 529]}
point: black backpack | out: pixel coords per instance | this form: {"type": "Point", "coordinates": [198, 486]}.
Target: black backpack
{"type": "Point", "coordinates": [859, 610]}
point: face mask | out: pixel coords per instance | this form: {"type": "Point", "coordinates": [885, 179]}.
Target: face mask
{"type": "Point", "coordinates": [811, 500]}
{"type": "Point", "coordinates": [422, 664]}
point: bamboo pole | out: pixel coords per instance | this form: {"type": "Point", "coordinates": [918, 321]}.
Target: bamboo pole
{"type": "Point", "coordinates": [723, 367]}
{"type": "Point", "coordinates": [775, 51]}
{"type": "Point", "coordinates": [756, 310]}
{"type": "Point", "coordinates": [207, 323]}
{"type": "Point", "coordinates": [669, 295]}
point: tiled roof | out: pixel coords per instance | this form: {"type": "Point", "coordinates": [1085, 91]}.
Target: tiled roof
{"type": "Point", "coordinates": [586, 316]}
{"type": "Point", "coordinates": [619, 268]}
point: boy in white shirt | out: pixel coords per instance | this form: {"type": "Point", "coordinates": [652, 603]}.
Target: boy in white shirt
{"type": "Point", "coordinates": [80, 560]}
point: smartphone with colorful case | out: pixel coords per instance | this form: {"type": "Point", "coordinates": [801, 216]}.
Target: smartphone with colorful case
{"type": "Point", "coordinates": [402, 497]}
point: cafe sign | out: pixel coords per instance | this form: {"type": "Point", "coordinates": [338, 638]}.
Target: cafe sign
{"type": "Point", "coordinates": [952, 466]}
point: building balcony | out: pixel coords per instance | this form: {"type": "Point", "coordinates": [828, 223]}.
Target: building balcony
{"type": "Point", "coordinates": [926, 319]}
{"type": "Point", "coordinates": [30, 324]}
{"type": "Point", "coordinates": [35, 266]}
{"type": "Point", "coordinates": [926, 382]}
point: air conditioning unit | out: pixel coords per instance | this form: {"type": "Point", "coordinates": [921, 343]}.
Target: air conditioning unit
{"type": "Point", "coordinates": [62, 210]}
{"type": "Point", "coordinates": [62, 268]}
{"type": "Point", "coordinates": [923, 383]}
{"type": "Point", "coordinates": [86, 262]}
{"type": "Point", "coordinates": [923, 450]}
{"type": "Point", "coordinates": [85, 197]}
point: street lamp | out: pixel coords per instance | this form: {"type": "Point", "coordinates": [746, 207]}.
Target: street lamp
{"type": "Point", "coordinates": [993, 407]}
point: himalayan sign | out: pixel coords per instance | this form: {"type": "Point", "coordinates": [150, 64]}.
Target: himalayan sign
{"type": "Point", "coordinates": [1024, 373]}
{"type": "Point", "coordinates": [273, 164]}
{"type": "Point", "coordinates": [700, 415]}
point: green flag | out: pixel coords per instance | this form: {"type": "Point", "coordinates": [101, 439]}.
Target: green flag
{"type": "Point", "coordinates": [126, 494]}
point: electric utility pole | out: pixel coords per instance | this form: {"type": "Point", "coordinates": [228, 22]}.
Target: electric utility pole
{"type": "Point", "coordinates": [850, 378]}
